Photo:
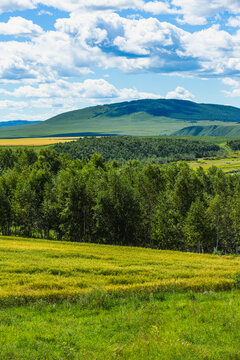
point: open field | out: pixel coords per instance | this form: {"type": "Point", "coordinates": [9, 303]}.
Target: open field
{"type": "Point", "coordinates": [116, 303]}
{"type": "Point", "coordinates": [229, 164]}
{"type": "Point", "coordinates": [33, 269]}
{"type": "Point", "coordinates": [36, 141]}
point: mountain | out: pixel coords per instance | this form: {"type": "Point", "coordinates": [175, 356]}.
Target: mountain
{"type": "Point", "coordinates": [213, 130]}
{"type": "Point", "coordinates": [17, 123]}
{"type": "Point", "coordinates": [140, 117]}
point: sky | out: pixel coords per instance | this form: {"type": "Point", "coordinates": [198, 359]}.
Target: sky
{"type": "Point", "coordinates": [61, 55]}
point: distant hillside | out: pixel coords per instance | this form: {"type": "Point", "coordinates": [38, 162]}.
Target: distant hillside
{"type": "Point", "coordinates": [141, 117]}
{"type": "Point", "coordinates": [213, 130]}
{"type": "Point", "coordinates": [17, 123]}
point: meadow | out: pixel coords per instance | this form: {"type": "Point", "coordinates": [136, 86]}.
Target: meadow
{"type": "Point", "coordinates": [50, 270]}
{"type": "Point", "coordinates": [230, 163]}
{"type": "Point", "coordinates": [67, 301]}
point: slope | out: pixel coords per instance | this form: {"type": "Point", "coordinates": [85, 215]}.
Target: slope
{"type": "Point", "coordinates": [140, 117]}
{"type": "Point", "coordinates": [17, 123]}
{"type": "Point", "coordinates": [214, 130]}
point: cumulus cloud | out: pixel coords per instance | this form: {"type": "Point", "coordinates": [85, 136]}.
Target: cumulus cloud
{"type": "Point", "coordinates": [129, 44]}
{"type": "Point", "coordinates": [180, 93]}
{"type": "Point", "coordinates": [107, 40]}
{"type": "Point", "coordinates": [90, 89]}
{"type": "Point", "coordinates": [20, 27]}
{"type": "Point", "coordinates": [13, 5]}
{"type": "Point", "coordinates": [196, 12]}
{"type": "Point", "coordinates": [159, 7]}
{"type": "Point", "coordinates": [70, 5]}
{"type": "Point", "coordinates": [96, 35]}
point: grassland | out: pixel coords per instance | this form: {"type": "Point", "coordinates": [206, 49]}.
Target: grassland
{"type": "Point", "coordinates": [35, 141]}
{"type": "Point", "coordinates": [210, 130]}
{"type": "Point", "coordinates": [39, 269]}
{"type": "Point", "coordinates": [67, 301]}
{"type": "Point", "coordinates": [162, 326]}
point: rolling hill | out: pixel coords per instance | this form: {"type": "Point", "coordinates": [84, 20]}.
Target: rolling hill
{"type": "Point", "coordinates": [17, 123]}
{"type": "Point", "coordinates": [213, 130]}
{"type": "Point", "coordinates": [140, 117]}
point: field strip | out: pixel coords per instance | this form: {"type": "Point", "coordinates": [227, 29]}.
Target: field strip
{"type": "Point", "coordinates": [36, 141]}
{"type": "Point", "coordinates": [33, 269]}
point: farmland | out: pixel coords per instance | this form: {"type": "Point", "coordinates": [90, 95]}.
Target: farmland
{"type": "Point", "coordinates": [40, 269]}
{"type": "Point", "coordinates": [35, 141]}
{"type": "Point", "coordinates": [62, 300]}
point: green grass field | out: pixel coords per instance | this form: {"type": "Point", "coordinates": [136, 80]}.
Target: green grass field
{"type": "Point", "coordinates": [161, 326]}
{"type": "Point", "coordinates": [77, 301]}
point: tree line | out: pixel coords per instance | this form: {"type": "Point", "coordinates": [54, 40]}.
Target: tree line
{"type": "Point", "coordinates": [234, 145]}
{"type": "Point", "coordinates": [161, 206]}
{"type": "Point", "coordinates": [123, 148]}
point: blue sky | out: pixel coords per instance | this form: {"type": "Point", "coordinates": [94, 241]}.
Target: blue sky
{"type": "Point", "coordinates": [56, 56]}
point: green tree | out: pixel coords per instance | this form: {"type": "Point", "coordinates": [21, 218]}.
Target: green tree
{"type": "Point", "coordinates": [167, 225]}
{"type": "Point", "coordinates": [196, 229]}
{"type": "Point", "coordinates": [5, 211]}
{"type": "Point", "coordinates": [117, 211]}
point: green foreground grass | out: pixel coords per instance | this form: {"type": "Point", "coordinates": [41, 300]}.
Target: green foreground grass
{"type": "Point", "coordinates": [61, 300]}
{"type": "Point", "coordinates": [161, 326]}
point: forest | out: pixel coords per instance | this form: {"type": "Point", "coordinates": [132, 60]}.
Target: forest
{"type": "Point", "coordinates": [160, 206]}
{"type": "Point", "coordinates": [123, 148]}
{"type": "Point", "coordinates": [234, 145]}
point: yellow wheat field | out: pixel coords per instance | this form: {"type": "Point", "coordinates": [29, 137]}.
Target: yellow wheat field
{"type": "Point", "coordinates": [32, 269]}
{"type": "Point", "coordinates": [35, 141]}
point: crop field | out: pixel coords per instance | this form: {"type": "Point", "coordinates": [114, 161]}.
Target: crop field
{"type": "Point", "coordinates": [34, 269]}
{"type": "Point", "coordinates": [35, 141]}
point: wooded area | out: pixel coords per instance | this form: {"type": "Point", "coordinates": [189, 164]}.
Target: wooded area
{"type": "Point", "coordinates": [161, 206]}
{"type": "Point", "coordinates": [123, 148]}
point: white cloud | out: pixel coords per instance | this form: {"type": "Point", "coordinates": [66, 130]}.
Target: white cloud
{"type": "Point", "coordinates": [10, 104]}
{"type": "Point", "coordinates": [230, 82]}
{"type": "Point", "coordinates": [45, 12]}
{"type": "Point", "coordinates": [234, 21]}
{"type": "Point", "coordinates": [89, 89]}
{"type": "Point", "coordinates": [63, 96]}
{"type": "Point", "coordinates": [159, 7]}
{"type": "Point", "coordinates": [95, 36]}
{"type": "Point", "coordinates": [13, 5]}
{"type": "Point", "coordinates": [196, 12]}
{"type": "Point", "coordinates": [20, 27]}
{"type": "Point", "coordinates": [180, 93]}
{"type": "Point", "coordinates": [234, 84]}
{"type": "Point", "coordinates": [106, 40]}
{"type": "Point", "coordinates": [70, 5]}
